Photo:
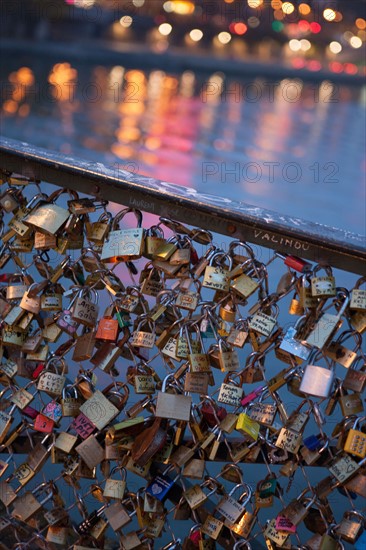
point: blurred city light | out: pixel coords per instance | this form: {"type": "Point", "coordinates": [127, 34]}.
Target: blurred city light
{"type": "Point", "coordinates": [335, 47]}
{"type": "Point", "coordinates": [196, 35]}
{"type": "Point", "coordinates": [165, 29]}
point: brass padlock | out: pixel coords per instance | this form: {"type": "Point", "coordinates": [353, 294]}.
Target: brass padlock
{"type": "Point", "coordinates": [124, 244]}
{"type": "Point", "coordinates": [323, 286]}
{"type": "Point", "coordinates": [172, 405]}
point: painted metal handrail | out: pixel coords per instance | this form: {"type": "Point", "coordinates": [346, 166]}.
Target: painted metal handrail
{"type": "Point", "coordinates": [287, 234]}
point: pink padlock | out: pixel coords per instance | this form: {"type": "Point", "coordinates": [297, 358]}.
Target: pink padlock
{"type": "Point", "coordinates": [284, 524]}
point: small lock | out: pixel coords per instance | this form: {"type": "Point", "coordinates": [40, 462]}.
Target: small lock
{"type": "Point", "coordinates": [356, 440]}
{"type": "Point", "coordinates": [70, 401]}
{"type": "Point", "coordinates": [144, 339]}
{"type": "Point", "coordinates": [216, 276]}
{"type": "Point", "coordinates": [124, 244]}
{"type": "Point", "coordinates": [323, 286]}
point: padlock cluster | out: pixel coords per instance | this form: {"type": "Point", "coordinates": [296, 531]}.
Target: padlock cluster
{"type": "Point", "coordinates": [134, 358]}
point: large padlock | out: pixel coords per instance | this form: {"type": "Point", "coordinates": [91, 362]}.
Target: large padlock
{"type": "Point", "coordinates": [328, 323]}
{"type": "Point", "coordinates": [52, 382]}
{"type": "Point", "coordinates": [350, 403]}
{"type": "Point", "coordinates": [48, 217]}
{"type": "Point", "coordinates": [124, 244]}
{"type": "Point", "coordinates": [172, 405]}
{"type": "Point", "coordinates": [30, 303]}
{"type": "Point", "coordinates": [230, 508]}
{"type": "Point", "coordinates": [351, 526]}
{"type": "Point", "coordinates": [141, 338]}
{"type": "Point", "coordinates": [84, 310]}
{"type": "Point", "coordinates": [317, 380]}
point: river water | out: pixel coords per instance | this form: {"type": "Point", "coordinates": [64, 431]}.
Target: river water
{"type": "Point", "coordinates": [286, 145]}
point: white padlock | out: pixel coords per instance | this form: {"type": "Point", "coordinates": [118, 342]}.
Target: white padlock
{"type": "Point", "coordinates": [317, 381]}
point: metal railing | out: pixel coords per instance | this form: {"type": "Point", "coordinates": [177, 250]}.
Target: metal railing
{"type": "Point", "coordinates": [313, 241]}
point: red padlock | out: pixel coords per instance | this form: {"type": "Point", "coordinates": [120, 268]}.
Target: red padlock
{"type": "Point", "coordinates": [107, 329]}
{"type": "Point", "coordinates": [211, 414]}
{"type": "Point", "coordinates": [295, 263]}
{"type": "Point", "coordinates": [43, 424]}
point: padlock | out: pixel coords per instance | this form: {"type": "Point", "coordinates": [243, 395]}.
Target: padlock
{"type": "Point", "coordinates": [328, 323]}
{"type": "Point", "coordinates": [53, 411]}
{"type": "Point", "coordinates": [141, 338]}
{"type": "Point", "coordinates": [172, 405]}
{"type": "Point", "coordinates": [297, 510]}
{"type": "Point", "coordinates": [272, 534]}
{"type": "Point", "coordinates": [99, 410]}
{"type": "Point", "coordinates": [262, 323]}
{"type": "Point", "coordinates": [312, 455]}
{"type": "Point", "coordinates": [293, 346]}
{"type": "Point", "coordinates": [238, 333]}
{"type": "Point", "coordinates": [341, 354]}
{"type": "Point", "coordinates": [31, 304]}
{"type": "Point", "coordinates": [330, 540]}
{"type": "Point", "coordinates": [107, 327]}
{"type": "Point", "coordinates": [124, 244]}
{"type": "Point", "coordinates": [245, 285]}
{"type": "Point", "coordinates": [182, 255]}
{"type": "Point", "coordinates": [97, 232]}
{"type": "Point", "coordinates": [84, 346]}
{"type": "Point", "coordinates": [115, 488]}
{"type": "Point", "coordinates": [355, 379]}
{"type": "Point", "coordinates": [351, 526]}
{"type": "Point", "coordinates": [350, 403]}
{"type": "Point", "coordinates": [230, 508]}
{"type": "Point", "coordinates": [323, 286]}
{"type": "Point", "coordinates": [198, 494]}
{"type": "Point", "coordinates": [6, 418]}
{"type": "Point", "coordinates": [358, 296]}
{"type": "Point", "coordinates": [317, 380]}
{"type": "Point", "coordinates": [230, 392]}
{"type": "Point", "coordinates": [52, 382]}
{"type": "Point", "coordinates": [70, 401]}
{"type": "Point", "coordinates": [216, 277]}
{"type": "Point", "coordinates": [85, 311]}
{"type": "Point", "coordinates": [356, 439]}
{"type": "Point", "coordinates": [26, 506]}
{"type": "Point", "coordinates": [154, 239]}
{"type": "Point", "coordinates": [48, 217]}
{"type": "Point", "coordinates": [152, 283]}
{"type": "Point", "coordinates": [160, 485]}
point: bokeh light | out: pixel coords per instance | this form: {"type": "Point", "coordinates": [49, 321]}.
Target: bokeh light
{"type": "Point", "coordinates": [196, 35]}
{"type": "Point", "coordinates": [304, 9]}
{"type": "Point", "coordinates": [165, 29]}
{"type": "Point", "coordinates": [288, 8]}
{"type": "Point", "coordinates": [355, 42]}
{"type": "Point", "coordinates": [315, 27]}
{"type": "Point", "coordinates": [335, 47]}
{"type": "Point", "coordinates": [126, 21]}
{"type": "Point", "coordinates": [329, 14]}
{"type": "Point", "coordinates": [295, 45]}
{"type": "Point", "coordinates": [224, 37]}
{"type": "Point", "coordinates": [255, 3]}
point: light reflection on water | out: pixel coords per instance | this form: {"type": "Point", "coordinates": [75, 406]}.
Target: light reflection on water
{"type": "Point", "coordinates": [293, 147]}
